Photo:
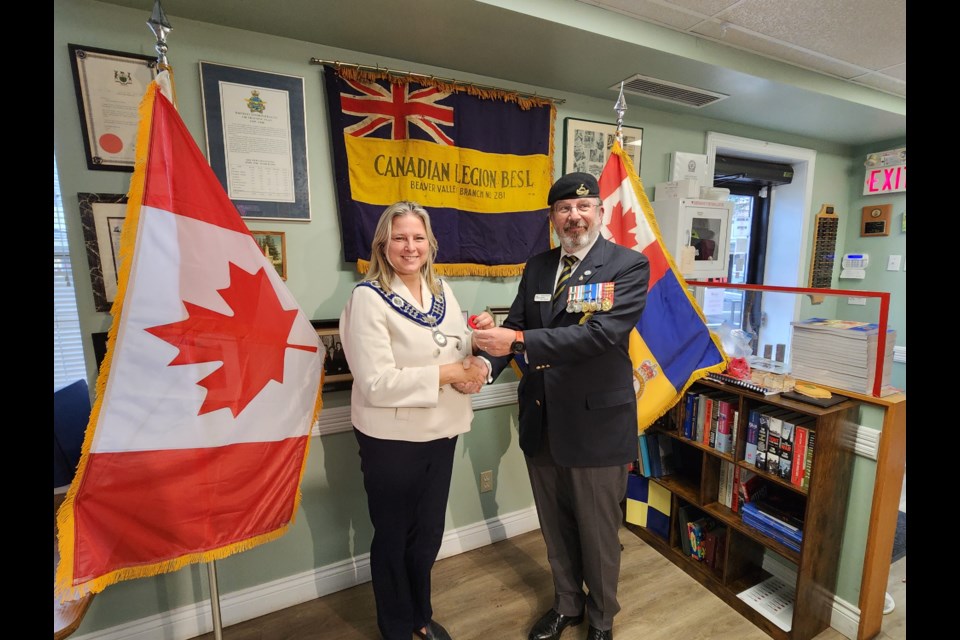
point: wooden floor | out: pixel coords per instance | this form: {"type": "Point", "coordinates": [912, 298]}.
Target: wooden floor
{"type": "Point", "coordinates": [497, 592]}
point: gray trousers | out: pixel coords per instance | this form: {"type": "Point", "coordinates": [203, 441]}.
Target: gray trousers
{"type": "Point", "coordinates": [580, 517]}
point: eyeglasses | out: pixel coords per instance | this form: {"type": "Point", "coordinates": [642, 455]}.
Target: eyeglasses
{"type": "Point", "coordinates": [581, 207]}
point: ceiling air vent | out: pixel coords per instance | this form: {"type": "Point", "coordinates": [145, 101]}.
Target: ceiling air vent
{"type": "Point", "coordinates": [669, 91]}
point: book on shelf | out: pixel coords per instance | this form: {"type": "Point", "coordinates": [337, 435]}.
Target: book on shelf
{"type": "Point", "coordinates": [799, 455]}
{"type": "Point", "coordinates": [808, 462]}
{"type": "Point", "coordinates": [753, 426]}
{"type": "Point", "coordinates": [751, 486]}
{"type": "Point", "coordinates": [785, 506]}
{"type": "Point", "coordinates": [653, 446]}
{"type": "Point", "coordinates": [668, 464]}
{"type": "Point", "coordinates": [735, 431]}
{"type": "Point", "coordinates": [685, 515]}
{"type": "Point", "coordinates": [724, 439]}
{"type": "Point", "coordinates": [689, 413]}
{"type": "Point", "coordinates": [773, 599]}
{"type": "Point", "coordinates": [714, 542]}
{"type": "Point", "coordinates": [697, 529]}
{"type": "Point", "coordinates": [644, 454]}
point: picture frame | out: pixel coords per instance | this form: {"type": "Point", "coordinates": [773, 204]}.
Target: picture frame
{"type": "Point", "coordinates": [256, 133]}
{"type": "Point", "coordinates": [499, 314]}
{"type": "Point", "coordinates": [109, 86]}
{"type": "Point", "coordinates": [587, 145]}
{"type": "Point", "coordinates": [102, 216]}
{"type": "Point", "coordinates": [274, 247]}
{"type": "Point", "coordinates": [336, 370]}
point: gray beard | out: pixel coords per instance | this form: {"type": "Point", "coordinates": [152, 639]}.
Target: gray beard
{"type": "Point", "coordinates": [572, 245]}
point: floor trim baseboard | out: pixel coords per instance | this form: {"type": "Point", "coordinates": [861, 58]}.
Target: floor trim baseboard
{"type": "Point", "coordinates": [238, 606]}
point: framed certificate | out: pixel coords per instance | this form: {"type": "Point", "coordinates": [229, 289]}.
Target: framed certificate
{"type": "Point", "coordinates": [102, 216]}
{"type": "Point", "coordinates": [110, 85]}
{"type": "Point", "coordinates": [256, 130]}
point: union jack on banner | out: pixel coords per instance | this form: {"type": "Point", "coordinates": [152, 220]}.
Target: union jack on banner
{"type": "Point", "coordinates": [397, 106]}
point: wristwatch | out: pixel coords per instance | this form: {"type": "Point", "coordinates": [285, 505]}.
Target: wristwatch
{"type": "Point", "coordinates": [518, 345]}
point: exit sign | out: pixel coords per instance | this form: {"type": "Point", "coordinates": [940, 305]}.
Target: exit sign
{"type": "Point", "coordinates": [885, 180]}
{"type": "Point", "coordinates": [886, 172]}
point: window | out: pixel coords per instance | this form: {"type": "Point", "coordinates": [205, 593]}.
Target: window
{"type": "Point", "coordinates": [68, 360]}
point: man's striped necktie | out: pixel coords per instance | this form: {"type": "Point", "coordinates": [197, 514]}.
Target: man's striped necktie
{"type": "Point", "coordinates": [568, 262]}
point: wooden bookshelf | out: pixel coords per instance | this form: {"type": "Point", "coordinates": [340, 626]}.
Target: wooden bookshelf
{"type": "Point", "coordinates": [823, 504]}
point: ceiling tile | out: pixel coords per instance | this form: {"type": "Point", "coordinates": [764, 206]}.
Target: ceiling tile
{"type": "Point", "coordinates": [856, 31]}
{"type": "Point", "coordinates": [736, 37]}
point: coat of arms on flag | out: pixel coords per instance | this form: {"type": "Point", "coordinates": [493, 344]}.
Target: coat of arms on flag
{"type": "Point", "coordinates": [672, 346]}
{"type": "Point", "coordinates": [479, 160]}
{"type": "Point", "coordinates": [199, 434]}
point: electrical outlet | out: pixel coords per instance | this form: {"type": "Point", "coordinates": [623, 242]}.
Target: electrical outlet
{"type": "Point", "coordinates": [486, 481]}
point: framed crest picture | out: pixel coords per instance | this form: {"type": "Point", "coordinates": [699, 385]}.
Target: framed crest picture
{"type": "Point", "coordinates": [110, 86]}
{"type": "Point", "coordinates": [587, 145]}
{"type": "Point", "coordinates": [256, 130]}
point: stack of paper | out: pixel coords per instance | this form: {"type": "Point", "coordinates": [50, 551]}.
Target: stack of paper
{"type": "Point", "coordinates": [840, 353]}
{"type": "Point", "coordinates": [774, 599]}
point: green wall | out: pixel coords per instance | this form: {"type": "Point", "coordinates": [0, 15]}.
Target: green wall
{"type": "Point", "coordinates": [332, 524]}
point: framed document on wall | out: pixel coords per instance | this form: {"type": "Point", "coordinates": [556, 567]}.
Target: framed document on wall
{"type": "Point", "coordinates": [587, 144]}
{"type": "Point", "coordinates": [102, 216]}
{"type": "Point", "coordinates": [255, 123]}
{"type": "Point", "coordinates": [110, 85]}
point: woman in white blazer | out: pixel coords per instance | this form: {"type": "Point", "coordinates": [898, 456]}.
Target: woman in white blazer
{"type": "Point", "coordinates": [409, 351]}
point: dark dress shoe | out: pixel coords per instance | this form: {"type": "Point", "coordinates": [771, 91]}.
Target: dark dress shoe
{"type": "Point", "coordinates": [433, 631]}
{"type": "Point", "coordinates": [596, 634]}
{"type": "Point", "coordinates": [552, 624]}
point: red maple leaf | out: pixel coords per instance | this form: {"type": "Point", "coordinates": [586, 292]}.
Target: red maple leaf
{"type": "Point", "coordinates": [623, 226]}
{"type": "Point", "coordinates": [251, 343]}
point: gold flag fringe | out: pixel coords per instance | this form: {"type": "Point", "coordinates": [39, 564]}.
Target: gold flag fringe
{"type": "Point", "coordinates": [64, 584]}
{"type": "Point", "coordinates": [637, 185]}
{"type": "Point", "coordinates": [488, 93]}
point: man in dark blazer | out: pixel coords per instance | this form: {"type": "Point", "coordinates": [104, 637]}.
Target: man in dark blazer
{"type": "Point", "coordinates": [578, 409]}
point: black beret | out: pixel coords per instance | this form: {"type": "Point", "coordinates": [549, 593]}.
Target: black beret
{"type": "Point", "coordinates": [573, 185]}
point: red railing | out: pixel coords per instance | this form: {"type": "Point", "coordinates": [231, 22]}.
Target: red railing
{"type": "Point", "coordinates": [883, 296]}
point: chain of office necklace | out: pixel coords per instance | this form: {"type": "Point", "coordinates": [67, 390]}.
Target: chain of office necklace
{"type": "Point", "coordinates": [438, 309]}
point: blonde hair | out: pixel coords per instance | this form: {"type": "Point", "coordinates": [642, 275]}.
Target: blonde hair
{"type": "Point", "coordinates": [380, 268]}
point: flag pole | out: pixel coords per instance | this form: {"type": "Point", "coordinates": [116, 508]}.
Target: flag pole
{"type": "Point", "coordinates": [621, 108]}
{"type": "Point", "coordinates": [160, 27]}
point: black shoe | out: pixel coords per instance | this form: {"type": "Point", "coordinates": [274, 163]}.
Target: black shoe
{"type": "Point", "coordinates": [596, 634]}
{"type": "Point", "coordinates": [434, 631]}
{"type": "Point", "coordinates": [552, 624]}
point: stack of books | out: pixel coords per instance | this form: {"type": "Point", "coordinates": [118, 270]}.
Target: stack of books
{"type": "Point", "coordinates": [775, 523]}
{"type": "Point", "coordinates": [841, 354]}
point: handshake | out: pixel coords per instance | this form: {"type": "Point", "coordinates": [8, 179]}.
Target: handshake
{"type": "Point", "coordinates": [472, 377]}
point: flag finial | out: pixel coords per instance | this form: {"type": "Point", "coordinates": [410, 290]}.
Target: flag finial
{"type": "Point", "coordinates": [160, 26]}
{"type": "Point", "coordinates": [620, 107]}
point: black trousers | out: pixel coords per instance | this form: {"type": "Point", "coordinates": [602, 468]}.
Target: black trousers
{"type": "Point", "coordinates": [580, 516]}
{"type": "Point", "coordinates": [407, 485]}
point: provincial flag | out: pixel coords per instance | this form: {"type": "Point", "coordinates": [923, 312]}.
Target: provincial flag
{"type": "Point", "coordinates": [671, 347]}
{"type": "Point", "coordinates": [198, 437]}
{"type": "Point", "coordinates": [479, 160]}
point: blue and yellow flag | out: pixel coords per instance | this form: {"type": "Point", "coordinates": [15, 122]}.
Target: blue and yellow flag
{"type": "Point", "coordinates": [671, 347]}
{"type": "Point", "coordinates": [479, 160]}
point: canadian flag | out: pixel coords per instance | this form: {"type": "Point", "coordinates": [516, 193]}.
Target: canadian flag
{"type": "Point", "coordinates": [199, 433]}
{"type": "Point", "coordinates": [672, 346]}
